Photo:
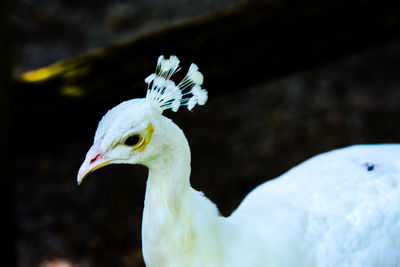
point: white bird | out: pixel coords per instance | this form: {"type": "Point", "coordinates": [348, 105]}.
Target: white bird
{"type": "Point", "coordinates": [340, 208]}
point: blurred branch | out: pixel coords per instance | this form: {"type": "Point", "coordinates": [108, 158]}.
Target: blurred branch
{"type": "Point", "coordinates": [7, 181]}
{"type": "Point", "coordinates": [253, 41]}
{"type": "Point", "coordinates": [235, 48]}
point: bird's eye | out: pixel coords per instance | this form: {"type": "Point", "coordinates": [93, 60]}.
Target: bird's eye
{"type": "Point", "coordinates": [132, 140]}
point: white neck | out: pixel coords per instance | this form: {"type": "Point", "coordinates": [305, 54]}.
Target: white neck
{"type": "Point", "coordinates": [180, 226]}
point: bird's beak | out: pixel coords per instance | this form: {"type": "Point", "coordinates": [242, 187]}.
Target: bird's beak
{"type": "Point", "coordinates": [94, 160]}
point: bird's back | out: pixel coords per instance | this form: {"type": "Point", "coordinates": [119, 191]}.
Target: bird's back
{"type": "Point", "coordinates": [340, 208]}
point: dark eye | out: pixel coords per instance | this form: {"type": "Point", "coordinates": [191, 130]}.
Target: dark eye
{"type": "Point", "coordinates": [132, 140]}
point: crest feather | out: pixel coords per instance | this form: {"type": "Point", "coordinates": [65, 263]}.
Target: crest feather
{"type": "Point", "coordinates": [165, 94]}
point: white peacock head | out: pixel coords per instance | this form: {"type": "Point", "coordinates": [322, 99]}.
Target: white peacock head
{"type": "Point", "coordinates": [135, 130]}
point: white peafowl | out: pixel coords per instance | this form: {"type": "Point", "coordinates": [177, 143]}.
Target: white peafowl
{"type": "Point", "coordinates": [340, 208]}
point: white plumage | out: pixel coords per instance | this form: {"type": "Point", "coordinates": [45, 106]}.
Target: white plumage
{"type": "Point", "coordinates": [340, 208]}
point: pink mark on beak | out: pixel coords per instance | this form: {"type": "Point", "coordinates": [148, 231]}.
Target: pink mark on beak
{"type": "Point", "coordinates": [95, 158]}
{"type": "Point", "coordinates": [93, 161]}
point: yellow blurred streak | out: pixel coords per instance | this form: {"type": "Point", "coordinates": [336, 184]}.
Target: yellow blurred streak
{"type": "Point", "coordinates": [76, 72]}
{"type": "Point", "coordinates": [42, 73]}
{"type": "Point", "coordinates": [69, 69]}
{"type": "Point", "coordinates": [73, 91]}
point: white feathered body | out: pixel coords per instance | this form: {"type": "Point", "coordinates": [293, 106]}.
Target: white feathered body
{"type": "Point", "coordinates": [341, 208]}
{"type": "Point", "coordinates": [331, 210]}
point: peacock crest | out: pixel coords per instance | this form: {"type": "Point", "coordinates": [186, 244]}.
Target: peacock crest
{"type": "Point", "coordinates": [165, 94]}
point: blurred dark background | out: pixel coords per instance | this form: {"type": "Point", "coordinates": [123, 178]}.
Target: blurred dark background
{"type": "Point", "coordinates": [286, 79]}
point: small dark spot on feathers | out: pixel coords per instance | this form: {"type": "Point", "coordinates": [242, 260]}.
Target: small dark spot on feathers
{"type": "Point", "coordinates": [370, 167]}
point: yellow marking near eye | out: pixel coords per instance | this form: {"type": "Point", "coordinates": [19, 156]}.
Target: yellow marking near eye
{"type": "Point", "coordinates": [149, 132]}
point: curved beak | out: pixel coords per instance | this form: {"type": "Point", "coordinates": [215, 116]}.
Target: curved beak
{"type": "Point", "coordinates": [94, 160]}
